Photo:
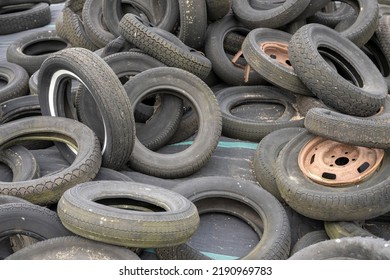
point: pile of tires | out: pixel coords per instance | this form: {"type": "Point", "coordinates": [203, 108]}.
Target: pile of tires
{"type": "Point", "coordinates": [118, 84]}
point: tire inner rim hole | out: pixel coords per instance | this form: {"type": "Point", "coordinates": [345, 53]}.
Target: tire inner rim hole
{"type": "Point", "coordinates": [3, 81]}
{"type": "Point", "coordinates": [130, 204]}
{"type": "Point", "coordinates": [374, 52]}
{"type": "Point", "coordinates": [343, 67]}
{"type": "Point", "coordinates": [258, 110]}
{"type": "Point", "coordinates": [15, 8]}
{"type": "Point", "coordinates": [44, 47]}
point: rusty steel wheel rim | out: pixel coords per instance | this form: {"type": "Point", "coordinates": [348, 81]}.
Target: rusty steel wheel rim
{"type": "Point", "coordinates": [277, 51]}
{"type": "Point", "coordinates": [335, 164]}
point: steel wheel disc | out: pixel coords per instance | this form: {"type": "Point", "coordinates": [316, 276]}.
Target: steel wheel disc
{"type": "Point", "coordinates": [335, 164]}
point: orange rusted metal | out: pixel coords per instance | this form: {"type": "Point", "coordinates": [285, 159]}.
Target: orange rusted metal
{"type": "Point", "coordinates": [335, 164]}
{"type": "Point", "coordinates": [277, 51]}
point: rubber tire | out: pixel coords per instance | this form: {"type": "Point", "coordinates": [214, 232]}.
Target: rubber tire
{"type": "Point", "coordinates": [366, 132]}
{"type": "Point", "coordinates": [107, 174]}
{"type": "Point", "coordinates": [254, 130]}
{"type": "Point", "coordinates": [333, 18]}
{"type": "Point", "coordinates": [31, 50]}
{"type": "Point", "coordinates": [31, 220]}
{"type": "Point", "coordinates": [363, 100]}
{"type": "Point", "coordinates": [193, 22]}
{"type": "Point", "coordinates": [20, 107]}
{"type": "Point", "coordinates": [31, 16]}
{"type": "Point", "coordinates": [275, 241]}
{"type": "Point", "coordinates": [358, 248]}
{"type": "Point", "coordinates": [217, 9]}
{"type": "Point", "coordinates": [137, 229]}
{"type": "Point", "coordinates": [264, 161]}
{"type": "Point", "coordinates": [382, 34]}
{"type": "Point", "coordinates": [273, 18]}
{"type": "Point", "coordinates": [22, 163]}
{"type": "Point", "coordinates": [117, 45]}
{"type": "Point", "coordinates": [313, 7]}
{"type": "Point", "coordinates": [267, 67]}
{"type": "Point", "coordinates": [94, 24]}
{"type": "Point", "coordinates": [165, 117]}
{"type": "Point", "coordinates": [5, 199]}
{"type": "Point", "coordinates": [70, 26]}
{"type": "Point", "coordinates": [305, 103]}
{"type": "Point", "coordinates": [16, 79]}
{"type": "Point", "coordinates": [113, 11]}
{"type": "Point", "coordinates": [217, 32]}
{"type": "Point", "coordinates": [214, 205]}
{"type": "Point", "coordinates": [162, 49]}
{"type": "Point", "coordinates": [308, 239]}
{"type": "Point", "coordinates": [114, 106]}
{"type": "Point", "coordinates": [366, 23]}
{"type": "Point", "coordinates": [47, 190]}
{"type": "Point", "coordinates": [72, 248]}
{"type": "Point", "coordinates": [315, 201]}
{"type": "Point", "coordinates": [184, 85]}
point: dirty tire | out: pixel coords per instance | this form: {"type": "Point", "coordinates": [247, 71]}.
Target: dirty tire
{"type": "Point", "coordinates": [308, 239]}
{"type": "Point", "coordinates": [70, 26]}
{"type": "Point", "coordinates": [48, 189]}
{"type": "Point", "coordinates": [368, 90]}
{"type": "Point", "coordinates": [254, 130]}
{"type": "Point", "coordinates": [217, 9]}
{"type": "Point", "coordinates": [270, 69]}
{"type": "Point", "coordinates": [165, 115]}
{"type": "Point", "coordinates": [264, 161]}
{"type": "Point", "coordinates": [31, 220]}
{"type": "Point", "coordinates": [73, 248]}
{"type": "Point", "coordinates": [93, 23]}
{"type": "Point", "coordinates": [215, 50]}
{"type": "Point", "coordinates": [361, 31]}
{"type": "Point", "coordinates": [162, 49]}
{"type": "Point", "coordinates": [22, 163]}
{"type": "Point", "coordinates": [21, 17]}
{"type": "Point", "coordinates": [357, 248]}
{"type": "Point", "coordinates": [115, 110]}
{"type": "Point", "coordinates": [186, 86]}
{"type": "Point", "coordinates": [316, 201]}
{"type": "Point", "coordinates": [193, 22]}
{"type": "Point", "coordinates": [30, 51]}
{"type": "Point", "coordinates": [275, 239]}
{"type": "Point", "coordinates": [214, 205]}
{"type": "Point", "coordinates": [20, 107]}
{"type": "Point", "coordinates": [16, 78]}
{"type": "Point", "coordinates": [80, 212]}
{"type": "Point", "coordinates": [275, 17]}
{"type": "Point", "coordinates": [366, 132]}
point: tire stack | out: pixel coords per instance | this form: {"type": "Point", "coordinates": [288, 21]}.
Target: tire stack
{"type": "Point", "coordinates": [118, 86]}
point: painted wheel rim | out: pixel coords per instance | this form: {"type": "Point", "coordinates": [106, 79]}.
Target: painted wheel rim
{"type": "Point", "coordinates": [335, 164]}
